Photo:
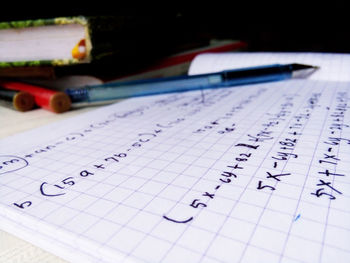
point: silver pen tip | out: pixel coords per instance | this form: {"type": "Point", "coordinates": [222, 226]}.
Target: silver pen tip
{"type": "Point", "coordinates": [303, 71]}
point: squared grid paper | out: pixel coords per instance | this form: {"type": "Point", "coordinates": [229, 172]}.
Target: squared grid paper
{"type": "Point", "coordinates": [116, 213]}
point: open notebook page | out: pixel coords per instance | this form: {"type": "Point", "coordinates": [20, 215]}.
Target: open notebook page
{"type": "Point", "coordinates": [332, 66]}
{"type": "Point", "coordinates": [252, 174]}
{"type": "Point", "coordinates": [225, 175]}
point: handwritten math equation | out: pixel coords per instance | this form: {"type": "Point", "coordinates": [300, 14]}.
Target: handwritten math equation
{"type": "Point", "coordinates": [329, 161]}
{"type": "Point", "coordinates": [246, 149]}
{"type": "Point", "coordinates": [59, 188]}
{"type": "Point", "coordinates": [281, 130]}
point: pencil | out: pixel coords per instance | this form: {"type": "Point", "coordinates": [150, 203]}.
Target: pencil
{"type": "Point", "coordinates": [48, 99]}
{"type": "Point", "coordinates": [21, 100]}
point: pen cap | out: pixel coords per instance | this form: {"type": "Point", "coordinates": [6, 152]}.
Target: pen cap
{"type": "Point", "coordinates": [49, 99]}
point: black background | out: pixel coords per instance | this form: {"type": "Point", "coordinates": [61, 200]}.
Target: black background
{"type": "Point", "coordinates": [281, 26]}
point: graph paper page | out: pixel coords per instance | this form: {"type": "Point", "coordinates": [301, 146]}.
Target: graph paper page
{"type": "Point", "coordinates": [252, 174]}
{"type": "Point", "coordinates": [334, 67]}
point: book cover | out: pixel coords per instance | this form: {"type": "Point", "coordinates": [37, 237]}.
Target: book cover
{"type": "Point", "coordinates": [56, 41]}
{"type": "Point", "coordinates": [87, 45]}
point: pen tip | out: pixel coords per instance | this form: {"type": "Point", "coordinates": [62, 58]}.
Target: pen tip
{"type": "Point", "coordinates": [302, 70]}
{"type": "Point", "coordinates": [297, 66]}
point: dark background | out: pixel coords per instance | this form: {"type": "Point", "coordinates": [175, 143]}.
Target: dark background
{"type": "Point", "coordinates": [280, 26]}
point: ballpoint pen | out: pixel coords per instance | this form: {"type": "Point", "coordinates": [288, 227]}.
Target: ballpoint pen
{"type": "Point", "coordinates": [227, 78]}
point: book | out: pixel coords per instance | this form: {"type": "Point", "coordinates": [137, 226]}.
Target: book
{"type": "Point", "coordinates": [248, 174]}
{"type": "Point", "coordinates": [56, 41]}
{"type": "Point", "coordinates": [86, 45]}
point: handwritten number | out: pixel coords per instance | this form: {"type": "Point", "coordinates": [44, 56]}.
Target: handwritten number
{"type": "Point", "coordinates": [260, 186]}
{"type": "Point", "coordinates": [228, 180]}
{"type": "Point", "coordinates": [85, 173]}
{"type": "Point", "coordinates": [229, 174]}
{"type": "Point", "coordinates": [196, 204]}
{"type": "Point", "coordinates": [247, 145]}
{"type": "Point", "coordinates": [68, 181]}
{"type": "Point", "coordinates": [23, 205]}
{"type": "Point", "coordinates": [112, 159]}
{"type": "Point", "coordinates": [319, 193]}
{"type": "Point", "coordinates": [245, 155]}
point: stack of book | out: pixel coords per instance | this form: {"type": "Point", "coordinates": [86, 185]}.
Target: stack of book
{"type": "Point", "coordinates": [70, 52]}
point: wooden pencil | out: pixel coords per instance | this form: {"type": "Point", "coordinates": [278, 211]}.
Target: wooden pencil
{"type": "Point", "coordinates": [20, 100]}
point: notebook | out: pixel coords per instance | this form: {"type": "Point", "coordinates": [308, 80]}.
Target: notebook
{"type": "Point", "coordinates": [248, 174]}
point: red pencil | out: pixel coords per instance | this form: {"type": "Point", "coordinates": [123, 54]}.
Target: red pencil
{"type": "Point", "coordinates": [52, 100]}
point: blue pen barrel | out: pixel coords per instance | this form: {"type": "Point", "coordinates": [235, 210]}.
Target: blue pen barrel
{"type": "Point", "coordinates": [229, 78]}
{"type": "Point", "coordinates": [153, 88]}
{"type": "Point", "coordinates": [257, 75]}
{"type": "Point", "coordinates": [117, 90]}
